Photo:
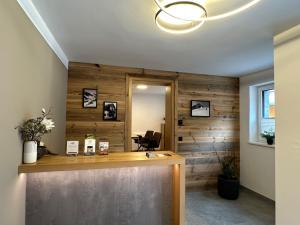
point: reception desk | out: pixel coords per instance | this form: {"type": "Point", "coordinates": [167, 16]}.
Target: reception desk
{"type": "Point", "coordinates": [118, 189]}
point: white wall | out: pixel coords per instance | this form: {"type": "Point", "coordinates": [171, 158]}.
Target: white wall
{"type": "Point", "coordinates": [148, 112]}
{"type": "Point", "coordinates": [31, 77]}
{"type": "Point", "coordinates": [257, 162]}
{"type": "Point", "coordinates": [287, 85]}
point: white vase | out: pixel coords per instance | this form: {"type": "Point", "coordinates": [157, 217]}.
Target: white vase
{"type": "Point", "coordinates": [30, 152]}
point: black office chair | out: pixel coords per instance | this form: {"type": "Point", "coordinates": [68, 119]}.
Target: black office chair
{"type": "Point", "coordinates": [144, 141]}
{"type": "Point", "coordinates": [156, 140]}
{"type": "Point", "coordinates": [153, 143]}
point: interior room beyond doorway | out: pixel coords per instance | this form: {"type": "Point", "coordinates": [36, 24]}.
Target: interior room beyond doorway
{"type": "Point", "coordinates": [148, 114]}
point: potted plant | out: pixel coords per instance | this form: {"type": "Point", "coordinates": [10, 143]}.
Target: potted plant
{"type": "Point", "coordinates": [269, 136]}
{"type": "Point", "coordinates": [228, 182]}
{"type": "Point", "coordinates": [31, 132]}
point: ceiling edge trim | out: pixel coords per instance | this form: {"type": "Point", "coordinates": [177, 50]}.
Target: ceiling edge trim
{"type": "Point", "coordinates": [287, 35]}
{"type": "Point", "coordinates": [42, 27]}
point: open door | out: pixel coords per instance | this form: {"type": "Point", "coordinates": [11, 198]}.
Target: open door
{"type": "Point", "coordinates": [168, 132]}
{"type": "Point", "coordinates": [168, 120]}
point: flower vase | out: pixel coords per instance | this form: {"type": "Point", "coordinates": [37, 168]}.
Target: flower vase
{"type": "Point", "coordinates": [30, 152]}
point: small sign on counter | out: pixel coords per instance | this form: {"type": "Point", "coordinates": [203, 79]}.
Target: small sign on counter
{"type": "Point", "coordinates": [72, 147]}
{"type": "Point", "coordinates": [103, 147]}
{"type": "Point", "coordinates": [90, 145]}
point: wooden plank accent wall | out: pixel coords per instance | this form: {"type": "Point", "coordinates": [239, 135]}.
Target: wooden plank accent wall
{"type": "Point", "coordinates": [111, 85]}
{"type": "Point", "coordinates": [202, 137]}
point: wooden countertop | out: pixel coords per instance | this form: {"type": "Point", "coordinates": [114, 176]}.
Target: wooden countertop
{"type": "Point", "coordinates": [113, 160]}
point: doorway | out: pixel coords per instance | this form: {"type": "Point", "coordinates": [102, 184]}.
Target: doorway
{"type": "Point", "coordinates": [150, 106]}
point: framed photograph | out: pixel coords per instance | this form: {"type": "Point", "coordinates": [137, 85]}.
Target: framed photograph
{"type": "Point", "coordinates": [89, 98]}
{"type": "Point", "coordinates": [200, 108]}
{"type": "Point", "coordinates": [110, 111]}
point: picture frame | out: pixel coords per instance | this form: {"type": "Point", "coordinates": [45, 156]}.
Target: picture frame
{"type": "Point", "coordinates": [200, 108]}
{"type": "Point", "coordinates": [89, 98]}
{"type": "Point", "coordinates": [110, 110]}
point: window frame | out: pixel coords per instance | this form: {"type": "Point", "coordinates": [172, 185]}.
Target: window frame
{"type": "Point", "coordinates": [260, 113]}
{"type": "Point", "coordinates": [263, 102]}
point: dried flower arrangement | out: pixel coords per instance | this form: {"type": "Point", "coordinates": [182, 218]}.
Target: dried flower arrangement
{"type": "Point", "coordinates": [34, 129]}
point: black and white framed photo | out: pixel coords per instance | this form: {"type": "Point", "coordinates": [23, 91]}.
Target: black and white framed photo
{"type": "Point", "coordinates": [200, 108]}
{"type": "Point", "coordinates": [110, 111]}
{"type": "Point", "coordinates": [89, 98]}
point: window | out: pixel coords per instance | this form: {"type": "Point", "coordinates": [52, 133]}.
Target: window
{"type": "Point", "coordinates": [266, 109]}
{"type": "Point", "coordinates": [268, 104]}
{"type": "Point", "coordinates": [262, 111]}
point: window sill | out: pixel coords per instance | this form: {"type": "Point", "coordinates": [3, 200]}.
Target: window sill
{"type": "Point", "coordinates": [261, 144]}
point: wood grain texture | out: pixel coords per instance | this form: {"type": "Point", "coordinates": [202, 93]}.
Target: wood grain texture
{"type": "Point", "coordinates": [113, 160]}
{"type": "Point", "coordinates": [111, 85]}
{"type": "Point", "coordinates": [179, 194]}
{"type": "Point", "coordinates": [169, 131]}
{"type": "Point", "coordinates": [202, 137]}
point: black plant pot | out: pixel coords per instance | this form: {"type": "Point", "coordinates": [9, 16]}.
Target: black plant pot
{"type": "Point", "coordinates": [270, 141]}
{"type": "Point", "coordinates": [41, 151]}
{"type": "Point", "coordinates": [228, 188]}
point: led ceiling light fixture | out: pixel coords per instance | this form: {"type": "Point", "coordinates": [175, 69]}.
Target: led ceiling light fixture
{"type": "Point", "coordinates": [180, 16]}
{"type": "Point", "coordinates": [142, 86]}
{"type": "Point", "coordinates": [191, 10]}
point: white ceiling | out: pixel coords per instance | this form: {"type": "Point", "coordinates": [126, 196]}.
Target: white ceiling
{"type": "Point", "coordinates": [123, 33]}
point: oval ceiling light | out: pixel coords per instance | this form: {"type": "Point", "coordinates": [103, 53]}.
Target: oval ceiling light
{"type": "Point", "coordinates": [185, 16]}
{"type": "Point", "coordinates": [186, 9]}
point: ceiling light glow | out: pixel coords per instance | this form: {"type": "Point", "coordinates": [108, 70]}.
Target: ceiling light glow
{"type": "Point", "coordinates": [191, 10]}
{"type": "Point", "coordinates": [180, 16]}
{"type": "Point", "coordinates": [142, 87]}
